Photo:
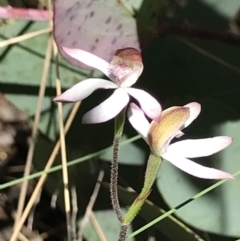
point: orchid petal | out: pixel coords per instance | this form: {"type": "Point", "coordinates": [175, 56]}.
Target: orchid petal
{"type": "Point", "coordinates": [89, 59]}
{"type": "Point", "coordinates": [200, 147]}
{"type": "Point", "coordinates": [127, 66]}
{"type": "Point", "coordinates": [195, 169]}
{"type": "Point", "coordinates": [132, 77]}
{"type": "Point", "coordinates": [148, 103]}
{"type": "Point", "coordinates": [108, 109]}
{"type": "Point", "coordinates": [83, 89]}
{"type": "Point", "coordinates": [195, 109]}
{"type": "Point", "coordinates": [138, 120]}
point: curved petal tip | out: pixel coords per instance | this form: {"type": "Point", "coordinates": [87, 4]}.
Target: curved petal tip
{"type": "Point", "coordinates": [61, 98]}
{"type": "Point", "coordinates": [195, 109]}
{"type": "Point", "coordinates": [148, 103]}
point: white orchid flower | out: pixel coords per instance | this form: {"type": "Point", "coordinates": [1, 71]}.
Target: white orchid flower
{"type": "Point", "coordinates": [158, 136]}
{"type": "Point", "coordinates": [123, 71]}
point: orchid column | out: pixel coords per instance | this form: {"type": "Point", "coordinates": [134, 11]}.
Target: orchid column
{"type": "Point", "coordinates": [123, 71]}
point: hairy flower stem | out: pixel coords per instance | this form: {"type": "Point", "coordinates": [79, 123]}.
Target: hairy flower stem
{"type": "Point", "coordinates": [123, 232]}
{"type": "Point", "coordinates": [118, 130]}
{"type": "Point", "coordinates": [153, 166]}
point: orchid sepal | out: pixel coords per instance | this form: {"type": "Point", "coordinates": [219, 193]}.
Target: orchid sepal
{"type": "Point", "coordinates": [76, 93]}
{"type": "Point", "coordinates": [114, 104]}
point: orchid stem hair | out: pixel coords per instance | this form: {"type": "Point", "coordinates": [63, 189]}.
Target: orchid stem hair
{"type": "Point", "coordinates": [118, 130]}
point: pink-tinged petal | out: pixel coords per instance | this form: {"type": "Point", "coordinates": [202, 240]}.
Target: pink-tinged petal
{"type": "Point", "coordinates": [108, 109]}
{"type": "Point", "coordinates": [138, 120]}
{"type": "Point", "coordinates": [195, 169]}
{"type": "Point", "coordinates": [195, 109]}
{"type": "Point", "coordinates": [127, 66]}
{"type": "Point", "coordinates": [83, 89]}
{"type": "Point", "coordinates": [148, 103]}
{"type": "Point", "coordinates": [89, 59]}
{"type": "Point", "coordinates": [200, 147]}
{"type": "Point", "coordinates": [132, 77]}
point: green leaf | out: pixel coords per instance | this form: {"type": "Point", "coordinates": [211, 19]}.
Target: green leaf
{"type": "Point", "coordinates": [223, 7]}
{"type": "Point", "coordinates": [105, 26]}
{"type": "Point", "coordinates": [108, 223]}
{"type": "Point", "coordinates": [21, 72]}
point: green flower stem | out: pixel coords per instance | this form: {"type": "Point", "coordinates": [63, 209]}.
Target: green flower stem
{"type": "Point", "coordinates": [153, 166]}
{"type": "Point", "coordinates": [150, 177]}
{"type": "Point", "coordinates": [118, 130]}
